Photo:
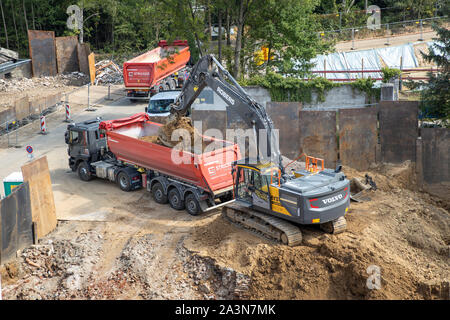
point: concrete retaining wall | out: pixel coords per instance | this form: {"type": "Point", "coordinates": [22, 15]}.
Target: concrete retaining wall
{"type": "Point", "coordinates": [23, 108]}
{"type": "Point", "coordinates": [343, 96]}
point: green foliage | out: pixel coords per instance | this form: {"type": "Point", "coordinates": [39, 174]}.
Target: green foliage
{"type": "Point", "coordinates": [435, 96]}
{"type": "Point", "coordinates": [288, 29]}
{"type": "Point", "coordinates": [366, 85]}
{"type": "Point", "coordinates": [390, 73]}
{"type": "Point", "coordinates": [294, 89]}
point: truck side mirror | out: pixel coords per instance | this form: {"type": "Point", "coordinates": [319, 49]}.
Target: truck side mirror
{"type": "Point", "coordinates": [66, 137]}
{"type": "Point", "coordinates": [146, 109]}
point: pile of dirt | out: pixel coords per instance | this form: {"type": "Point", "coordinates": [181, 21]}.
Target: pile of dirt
{"type": "Point", "coordinates": [400, 232]}
{"type": "Point", "coordinates": [189, 138]}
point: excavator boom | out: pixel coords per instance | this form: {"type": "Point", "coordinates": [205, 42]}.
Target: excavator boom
{"type": "Point", "coordinates": [208, 72]}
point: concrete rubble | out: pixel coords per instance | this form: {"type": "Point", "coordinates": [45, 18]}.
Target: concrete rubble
{"type": "Point", "coordinates": [107, 72]}
{"type": "Point", "coordinates": [60, 81]}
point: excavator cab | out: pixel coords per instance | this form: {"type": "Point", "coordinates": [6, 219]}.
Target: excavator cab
{"type": "Point", "coordinates": [256, 184]}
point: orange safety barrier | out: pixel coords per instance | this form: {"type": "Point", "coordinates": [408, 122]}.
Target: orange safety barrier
{"type": "Point", "coordinates": [310, 163]}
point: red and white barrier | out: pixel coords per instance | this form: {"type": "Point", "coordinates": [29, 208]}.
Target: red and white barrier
{"type": "Point", "coordinates": [67, 112]}
{"type": "Point", "coordinates": [43, 125]}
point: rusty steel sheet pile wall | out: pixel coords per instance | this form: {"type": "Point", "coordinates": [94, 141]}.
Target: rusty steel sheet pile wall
{"type": "Point", "coordinates": [318, 135]}
{"type": "Point", "coordinates": [436, 161]}
{"type": "Point", "coordinates": [358, 137]}
{"type": "Point", "coordinates": [398, 130]}
{"type": "Point", "coordinates": [83, 52]}
{"type": "Point", "coordinates": [67, 54]}
{"type": "Point", "coordinates": [285, 118]}
{"type": "Point", "coordinates": [42, 52]}
{"type": "Point", "coordinates": [15, 223]}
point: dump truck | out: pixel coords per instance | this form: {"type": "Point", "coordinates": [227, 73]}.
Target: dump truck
{"type": "Point", "coordinates": [114, 150]}
{"type": "Point", "coordinates": [161, 69]}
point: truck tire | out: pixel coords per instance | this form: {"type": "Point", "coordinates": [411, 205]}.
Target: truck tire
{"type": "Point", "coordinates": [175, 199]}
{"type": "Point", "coordinates": [192, 205]}
{"type": "Point", "coordinates": [158, 193]}
{"type": "Point", "coordinates": [84, 172]}
{"type": "Point", "coordinates": [124, 181]}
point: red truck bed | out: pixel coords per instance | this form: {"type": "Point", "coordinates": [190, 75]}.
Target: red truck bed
{"type": "Point", "coordinates": [148, 69]}
{"type": "Point", "coordinates": [210, 171]}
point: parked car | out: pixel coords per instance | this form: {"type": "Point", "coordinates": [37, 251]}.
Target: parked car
{"type": "Point", "coordinates": [159, 104]}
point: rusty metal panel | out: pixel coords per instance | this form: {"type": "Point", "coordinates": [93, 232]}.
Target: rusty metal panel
{"type": "Point", "coordinates": [285, 118]}
{"type": "Point", "coordinates": [15, 223]}
{"type": "Point", "coordinates": [42, 52]}
{"type": "Point", "coordinates": [67, 54]}
{"type": "Point", "coordinates": [83, 51]}
{"type": "Point", "coordinates": [358, 137]}
{"type": "Point", "coordinates": [436, 161]}
{"type": "Point", "coordinates": [318, 135]}
{"type": "Point", "coordinates": [398, 130]}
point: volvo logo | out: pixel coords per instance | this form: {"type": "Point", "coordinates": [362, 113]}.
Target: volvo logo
{"type": "Point", "coordinates": [333, 199]}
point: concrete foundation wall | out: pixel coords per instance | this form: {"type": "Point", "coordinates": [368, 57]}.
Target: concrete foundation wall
{"type": "Point", "coordinates": [260, 94]}
{"type": "Point", "coordinates": [23, 108]}
{"type": "Point", "coordinates": [343, 96]}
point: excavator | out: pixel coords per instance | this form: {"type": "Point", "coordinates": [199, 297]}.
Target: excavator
{"type": "Point", "coordinates": [268, 199]}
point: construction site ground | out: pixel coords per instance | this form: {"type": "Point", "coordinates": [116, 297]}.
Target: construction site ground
{"type": "Point", "coordinates": [110, 244]}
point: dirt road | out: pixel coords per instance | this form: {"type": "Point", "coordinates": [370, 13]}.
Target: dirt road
{"type": "Point", "coordinates": [115, 245]}
{"type": "Point", "coordinates": [380, 42]}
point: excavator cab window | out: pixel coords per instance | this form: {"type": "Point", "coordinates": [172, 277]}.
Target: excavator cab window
{"type": "Point", "coordinates": [252, 186]}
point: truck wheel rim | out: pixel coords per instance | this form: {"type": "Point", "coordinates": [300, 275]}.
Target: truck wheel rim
{"type": "Point", "coordinates": [83, 171]}
{"type": "Point", "coordinates": [158, 194]}
{"type": "Point", "coordinates": [175, 199]}
{"type": "Point", "coordinates": [123, 182]}
{"type": "Point", "coordinates": [192, 206]}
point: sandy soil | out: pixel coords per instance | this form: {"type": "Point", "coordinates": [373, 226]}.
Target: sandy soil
{"type": "Point", "coordinates": [150, 251]}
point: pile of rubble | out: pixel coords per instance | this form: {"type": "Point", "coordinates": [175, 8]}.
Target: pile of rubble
{"type": "Point", "coordinates": [215, 282]}
{"type": "Point", "coordinates": [107, 72]}
{"type": "Point", "coordinates": [59, 81]}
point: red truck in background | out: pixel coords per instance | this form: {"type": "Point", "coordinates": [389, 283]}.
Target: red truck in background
{"type": "Point", "coordinates": [161, 69]}
{"type": "Point", "coordinates": [113, 150]}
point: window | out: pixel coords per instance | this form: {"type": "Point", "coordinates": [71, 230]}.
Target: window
{"type": "Point", "coordinates": [159, 106]}
{"type": "Point", "coordinates": [74, 137]}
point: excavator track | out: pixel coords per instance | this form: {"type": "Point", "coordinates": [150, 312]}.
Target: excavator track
{"type": "Point", "coordinates": [263, 224]}
{"type": "Point", "coordinates": [334, 227]}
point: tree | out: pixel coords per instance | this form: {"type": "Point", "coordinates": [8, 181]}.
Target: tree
{"type": "Point", "coordinates": [4, 25]}
{"type": "Point", "coordinates": [288, 29]}
{"type": "Point", "coordinates": [436, 94]}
